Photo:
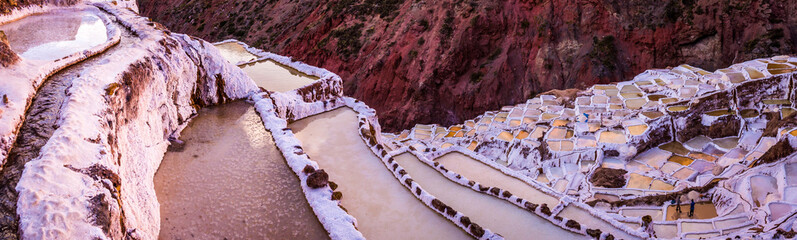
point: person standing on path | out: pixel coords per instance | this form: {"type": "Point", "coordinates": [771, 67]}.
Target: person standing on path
{"type": "Point", "coordinates": [692, 208]}
{"type": "Point", "coordinates": [678, 204]}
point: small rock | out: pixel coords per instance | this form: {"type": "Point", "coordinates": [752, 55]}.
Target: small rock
{"type": "Point", "coordinates": [477, 230]}
{"type": "Point", "coordinates": [545, 210]}
{"type": "Point", "coordinates": [465, 221]}
{"type": "Point", "coordinates": [308, 169]}
{"type": "Point", "coordinates": [337, 195]}
{"type": "Point", "coordinates": [318, 179]}
{"type": "Point", "coordinates": [594, 233]}
{"type": "Point", "coordinates": [495, 191]}
{"type": "Point", "coordinates": [573, 224]}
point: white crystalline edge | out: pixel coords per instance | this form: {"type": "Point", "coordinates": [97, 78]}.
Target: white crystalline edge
{"type": "Point", "coordinates": [53, 200]}
{"type": "Point", "coordinates": [338, 223]}
{"type": "Point", "coordinates": [22, 80]}
{"type": "Point", "coordinates": [294, 103]}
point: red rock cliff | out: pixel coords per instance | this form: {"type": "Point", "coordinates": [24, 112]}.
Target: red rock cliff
{"type": "Point", "coordinates": [446, 61]}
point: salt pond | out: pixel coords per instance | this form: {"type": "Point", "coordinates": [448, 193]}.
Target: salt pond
{"type": "Point", "coordinates": [591, 221]}
{"type": "Point", "coordinates": [231, 182]}
{"type": "Point", "coordinates": [482, 173]}
{"type": "Point", "coordinates": [235, 52]}
{"type": "Point", "coordinates": [490, 212]}
{"type": "Point", "coordinates": [276, 77]}
{"type": "Point", "coordinates": [55, 34]}
{"type": "Point", "coordinates": [384, 208]}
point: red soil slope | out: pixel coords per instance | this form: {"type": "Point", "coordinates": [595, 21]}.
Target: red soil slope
{"type": "Point", "coordinates": [428, 61]}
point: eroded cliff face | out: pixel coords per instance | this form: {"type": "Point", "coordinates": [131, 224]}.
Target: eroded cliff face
{"type": "Point", "coordinates": [446, 61]}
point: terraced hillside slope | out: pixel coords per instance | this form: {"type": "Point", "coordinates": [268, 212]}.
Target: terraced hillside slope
{"type": "Point", "coordinates": [447, 61]}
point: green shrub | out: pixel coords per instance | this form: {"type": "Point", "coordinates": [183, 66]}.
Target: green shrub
{"type": "Point", "coordinates": [424, 24]}
{"type": "Point", "coordinates": [348, 40]}
{"type": "Point", "coordinates": [476, 77]}
{"type": "Point", "coordinates": [604, 51]}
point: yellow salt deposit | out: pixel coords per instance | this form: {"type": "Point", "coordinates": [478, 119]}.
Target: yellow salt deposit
{"type": "Point", "coordinates": [612, 137]}
{"type": "Point", "coordinates": [637, 129]}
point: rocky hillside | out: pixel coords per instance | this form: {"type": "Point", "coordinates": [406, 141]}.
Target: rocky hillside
{"type": "Point", "coordinates": [446, 61]}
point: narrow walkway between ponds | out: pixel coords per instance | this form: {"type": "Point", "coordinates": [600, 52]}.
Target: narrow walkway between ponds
{"type": "Point", "coordinates": [37, 127]}
{"type": "Point", "coordinates": [384, 208]}
{"type": "Point", "coordinates": [231, 182]}
{"type": "Point", "coordinates": [498, 215]}
{"type": "Point", "coordinates": [479, 172]}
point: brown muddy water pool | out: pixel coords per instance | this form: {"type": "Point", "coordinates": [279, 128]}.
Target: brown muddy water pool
{"type": "Point", "coordinates": [231, 182]}
{"type": "Point", "coordinates": [276, 77]}
{"type": "Point", "coordinates": [235, 52]}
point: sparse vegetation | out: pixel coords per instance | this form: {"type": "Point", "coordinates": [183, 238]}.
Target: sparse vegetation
{"type": "Point", "coordinates": [525, 24]}
{"type": "Point", "coordinates": [476, 77]}
{"type": "Point", "coordinates": [673, 11]}
{"type": "Point", "coordinates": [424, 25]}
{"type": "Point", "coordinates": [604, 51]}
{"type": "Point", "coordinates": [412, 54]}
{"type": "Point", "coordinates": [447, 29]}
{"type": "Point", "coordinates": [348, 40]}
{"type": "Point", "coordinates": [497, 52]}
{"type": "Point", "coordinates": [385, 9]}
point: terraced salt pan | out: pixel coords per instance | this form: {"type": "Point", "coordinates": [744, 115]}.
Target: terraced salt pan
{"type": "Point", "coordinates": [235, 53]}
{"type": "Point", "coordinates": [384, 208]}
{"type": "Point", "coordinates": [761, 186]}
{"type": "Point", "coordinates": [482, 173]}
{"type": "Point", "coordinates": [637, 129]}
{"type": "Point", "coordinates": [675, 147]}
{"type": "Point", "coordinates": [666, 230]}
{"type": "Point", "coordinates": [231, 182]}
{"type": "Point", "coordinates": [490, 212]}
{"type": "Point", "coordinates": [591, 221]}
{"type": "Point", "coordinates": [637, 212]}
{"type": "Point", "coordinates": [55, 34]}
{"type": "Point", "coordinates": [697, 143]}
{"type": "Point", "coordinates": [276, 77]}
{"type": "Point", "coordinates": [612, 137]}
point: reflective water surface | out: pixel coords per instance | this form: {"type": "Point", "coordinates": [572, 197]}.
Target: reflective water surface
{"type": "Point", "coordinates": [277, 77]}
{"type": "Point", "coordinates": [56, 34]}
{"type": "Point", "coordinates": [231, 182]}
